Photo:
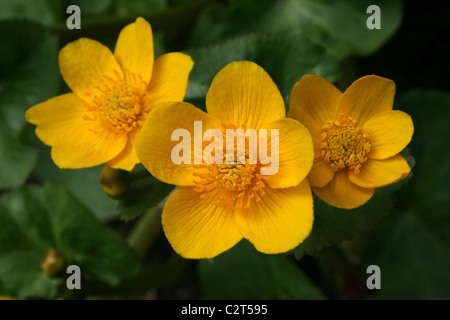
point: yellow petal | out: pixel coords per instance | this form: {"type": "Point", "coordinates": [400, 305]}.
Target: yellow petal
{"type": "Point", "coordinates": [317, 142]}
{"type": "Point", "coordinates": [321, 174]}
{"type": "Point", "coordinates": [280, 221]}
{"type": "Point", "coordinates": [154, 145]}
{"type": "Point", "coordinates": [389, 133]}
{"type": "Point", "coordinates": [295, 153]}
{"type": "Point", "coordinates": [134, 49]}
{"type": "Point", "coordinates": [367, 97]}
{"type": "Point", "coordinates": [127, 158]}
{"type": "Point", "coordinates": [342, 193]}
{"type": "Point", "coordinates": [84, 63]}
{"type": "Point", "coordinates": [170, 78]}
{"type": "Point", "coordinates": [243, 94]}
{"type": "Point", "coordinates": [84, 146]}
{"type": "Point", "coordinates": [196, 228]}
{"type": "Point", "coordinates": [56, 116]}
{"type": "Point", "coordinates": [379, 173]}
{"type": "Point", "coordinates": [313, 102]}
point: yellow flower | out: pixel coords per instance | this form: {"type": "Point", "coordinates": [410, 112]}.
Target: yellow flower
{"type": "Point", "coordinates": [99, 121]}
{"type": "Point", "coordinates": [357, 137]}
{"type": "Point", "coordinates": [216, 205]}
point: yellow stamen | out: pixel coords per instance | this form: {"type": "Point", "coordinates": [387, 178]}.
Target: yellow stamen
{"type": "Point", "coordinates": [234, 185]}
{"type": "Point", "coordinates": [344, 145]}
{"type": "Point", "coordinates": [120, 105]}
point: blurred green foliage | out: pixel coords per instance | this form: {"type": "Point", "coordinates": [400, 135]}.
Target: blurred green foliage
{"type": "Point", "coordinates": [260, 277]}
{"type": "Point", "coordinates": [404, 229]}
{"type": "Point", "coordinates": [36, 220]}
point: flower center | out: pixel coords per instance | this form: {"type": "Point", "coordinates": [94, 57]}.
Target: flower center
{"type": "Point", "coordinates": [234, 185]}
{"type": "Point", "coordinates": [120, 105]}
{"type": "Point", "coordinates": [344, 145]}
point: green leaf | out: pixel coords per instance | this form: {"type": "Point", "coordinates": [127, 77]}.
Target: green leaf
{"type": "Point", "coordinates": [23, 278]}
{"type": "Point", "coordinates": [25, 238]}
{"type": "Point", "coordinates": [17, 159]}
{"type": "Point", "coordinates": [334, 225]}
{"type": "Point", "coordinates": [84, 184]}
{"type": "Point", "coordinates": [427, 194]}
{"type": "Point", "coordinates": [338, 25]}
{"type": "Point", "coordinates": [413, 261]}
{"type": "Point", "coordinates": [143, 194]}
{"type": "Point", "coordinates": [412, 247]}
{"type": "Point", "coordinates": [79, 235]}
{"type": "Point", "coordinates": [34, 10]}
{"type": "Point", "coordinates": [93, 8]}
{"type": "Point", "coordinates": [29, 64]}
{"type": "Point", "coordinates": [36, 220]}
{"type": "Point", "coordinates": [285, 57]}
{"type": "Point", "coordinates": [27, 56]}
{"type": "Point", "coordinates": [244, 273]}
{"type": "Point", "coordinates": [28, 60]}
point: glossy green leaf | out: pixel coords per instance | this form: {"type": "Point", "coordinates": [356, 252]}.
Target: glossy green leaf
{"type": "Point", "coordinates": [334, 225]}
{"type": "Point", "coordinates": [84, 184]}
{"type": "Point", "coordinates": [244, 273]}
{"type": "Point", "coordinates": [17, 159]}
{"type": "Point", "coordinates": [35, 220]}
{"type": "Point", "coordinates": [338, 25]}
{"type": "Point", "coordinates": [285, 57]}
{"type": "Point", "coordinates": [29, 75]}
{"type": "Point", "coordinates": [81, 236]}
{"type": "Point", "coordinates": [29, 64]}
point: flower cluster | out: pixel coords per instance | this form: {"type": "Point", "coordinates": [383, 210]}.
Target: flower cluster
{"type": "Point", "coordinates": [125, 108]}
{"type": "Point", "coordinates": [112, 94]}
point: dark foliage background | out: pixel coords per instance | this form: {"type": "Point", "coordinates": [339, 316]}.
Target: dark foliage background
{"type": "Point", "coordinates": [119, 244]}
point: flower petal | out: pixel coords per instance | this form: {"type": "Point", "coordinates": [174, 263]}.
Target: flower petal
{"type": "Point", "coordinates": [154, 145]}
{"type": "Point", "coordinates": [56, 116]}
{"type": "Point", "coordinates": [127, 158]}
{"type": "Point", "coordinates": [321, 174]}
{"type": "Point", "coordinates": [379, 173]}
{"type": "Point", "coordinates": [280, 221]}
{"type": "Point", "coordinates": [313, 102]}
{"type": "Point", "coordinates": [84, 146]}
{"type": "Point", "coordinates": [389, 133]}
{"type": "Point", "coordinates": [295, 153]}
{"type": "Point", "coordinates": [342, 193]}
{"type": "Point", "coordinates": [84, 63]}
{"type": "Point", "coordinates": [196, 228]}
{"type": "Point", "coordinates": [134, 49]}
{"type": "Point", "coordinates": [169, 80]}
{"type": "Point", "coordinates": [243, 94]}
{"type": "Point", "coordinates": [367, 97]}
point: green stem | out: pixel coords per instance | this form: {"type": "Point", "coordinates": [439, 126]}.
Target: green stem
{"type": "Point", "coordinates": [146, 231]}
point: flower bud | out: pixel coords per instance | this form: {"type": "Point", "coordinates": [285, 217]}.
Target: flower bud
{"type": "Point", "coordinates": [115, 182]}
{"type": "Point", "coordinates": [53, 263]}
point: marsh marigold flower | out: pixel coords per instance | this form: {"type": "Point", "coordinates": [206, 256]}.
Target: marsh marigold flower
{"type": "Point", "coordinates": [112, 94]}
{"type": "Point", "coordinates": [357, 137]}
{"type": "Point", "coordinates": [218, 204]}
